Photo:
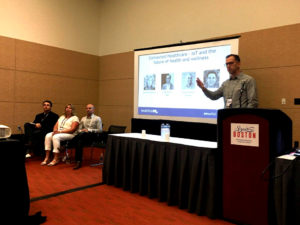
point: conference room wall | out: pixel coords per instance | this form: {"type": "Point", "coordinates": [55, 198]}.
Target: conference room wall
{"type": "Point", "coordinates": [271, 56]}
{"type": "Point", "coordinates": [30, 73]}
{"type": "Point", "coordinates": [116, 89]}
{"type": "Point", "coordinates": [67, 24]}
{"type": "Point", "coordinates": [132, 24]}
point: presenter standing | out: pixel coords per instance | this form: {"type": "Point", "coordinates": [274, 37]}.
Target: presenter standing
{"type": "Point", "coordinates": [239, 91]}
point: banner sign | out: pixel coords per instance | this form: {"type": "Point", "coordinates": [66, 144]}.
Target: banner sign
{"type": "Point", "coordinates": [245, 134]}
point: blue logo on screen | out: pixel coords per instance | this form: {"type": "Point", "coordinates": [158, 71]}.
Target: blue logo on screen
{"type": "Point", "coordinates": [197, 113]}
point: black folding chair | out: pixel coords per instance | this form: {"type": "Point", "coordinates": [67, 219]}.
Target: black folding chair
{"type": "Point", "coordinates": [101, 141]}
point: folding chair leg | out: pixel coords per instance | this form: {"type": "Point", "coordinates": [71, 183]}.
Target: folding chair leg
{"type": "Point", "coordinates": [100, 161]}
{"type": "Point", "coordinates": [92, 154]}
{"type": "Point", "coordinates": [96, 164]}
{"type": "Point", "coordinates": [68, 155]}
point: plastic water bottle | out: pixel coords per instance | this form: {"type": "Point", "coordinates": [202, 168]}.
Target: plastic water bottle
{"type": "Point", "coordinates": [162, 130]}
{"type": "Point", "coordinates": [165, 131]}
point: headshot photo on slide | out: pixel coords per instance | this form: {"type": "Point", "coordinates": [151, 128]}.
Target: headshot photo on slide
{"type": "Point", "coordinates": [149, 82]}
{"type": "Point", "coordinates": [167, 81]}
{"type": "Point", "coordinates": [188, 80]}
{"type": "Point", "coordinates": [211, 78]}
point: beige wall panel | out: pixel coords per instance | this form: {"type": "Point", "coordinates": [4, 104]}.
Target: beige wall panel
{"type": "Point", "coordinates": [32, 87]}
{"type": "Point", "coordinates": [7, 85]}
{"type": "Point", "coordinates": [273, 84]}
{"type": "Point", "coordinates": [7, 114]}
{"type": "Point", "coordinates": [117, 66]}
{"type": "Point", "coordinates": [31, 73]}
{"type": "Point", "coordinates": [7, 52]}
{"type": "Point", "coordinates": [271, 47]}
{"type": "Point", "coordinates": [25, 112]}
{"type": "Point", "coordinates": [59, 108]}
{"type": "Point", "coordinates": [116, 115]}
{"type": "Point", "coordinates": [45, 59]}
{"type": "Point", "coordinates": [116, 92]}
{"type": "Point", "coordinates": [80, 110]}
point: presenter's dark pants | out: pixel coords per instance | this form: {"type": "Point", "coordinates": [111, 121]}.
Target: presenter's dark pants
{"type": "Point", "coordinates": [35, 138]}
{"type": "Point", "coordinates": [81, 140]}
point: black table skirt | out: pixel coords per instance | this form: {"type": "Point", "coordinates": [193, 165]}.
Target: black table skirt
{"type": "Point", "coordinates": [14, 186]}
{"type": "Point", "coordinates": [287, 191]}
{"type": "Point", "coordinates": [181, 175]}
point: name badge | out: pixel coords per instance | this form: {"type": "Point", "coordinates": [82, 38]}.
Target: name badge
{"type": "Point", "coordinates": [228, 103]}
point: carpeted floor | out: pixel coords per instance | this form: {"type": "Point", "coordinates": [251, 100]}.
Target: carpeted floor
{"type": "Point", "coordinates": [109, 205]}
{"type": "Point", "coordinates": [69, 197]}
{"type": "Point", "coordinates": [45, 180]}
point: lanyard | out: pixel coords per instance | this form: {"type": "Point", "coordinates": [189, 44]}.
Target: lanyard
{"type": "Point", "coordinates": [63, 123]}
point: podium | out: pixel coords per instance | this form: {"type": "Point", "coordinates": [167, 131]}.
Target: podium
{"type": "Point", "coordinates": [250, 139]}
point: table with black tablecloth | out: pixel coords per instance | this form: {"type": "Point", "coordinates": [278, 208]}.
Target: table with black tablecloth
{"type": "Point", "coordinates": [287, 190]}
{"type": "Point", "coordinates": [14, 186]}
{"type": "Point", "coordinates": [181, 172]}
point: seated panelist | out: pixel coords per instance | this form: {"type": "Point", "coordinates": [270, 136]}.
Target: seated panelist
{"type": "Point", "coordinates": [64, 129]}
{"type": "Point", "coordinates": [89, 126]}
{"type": "Point", "coordinates": [35, 132]}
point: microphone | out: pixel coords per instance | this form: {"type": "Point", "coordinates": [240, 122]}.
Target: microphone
{"type": "Point", "coordinates": [296, 148]}
{"type": "Point", "coordinates": [20, 129]}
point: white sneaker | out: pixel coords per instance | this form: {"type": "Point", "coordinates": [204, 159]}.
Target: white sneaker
{"type": "Point", "coordinates": [27, 155]}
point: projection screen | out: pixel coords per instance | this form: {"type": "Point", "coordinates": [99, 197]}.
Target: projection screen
{"type": "Point", "coordinates": [165, 80]}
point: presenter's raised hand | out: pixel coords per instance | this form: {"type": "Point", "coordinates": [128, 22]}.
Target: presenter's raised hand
{"type": "Point", "coordinates": [200, 83]}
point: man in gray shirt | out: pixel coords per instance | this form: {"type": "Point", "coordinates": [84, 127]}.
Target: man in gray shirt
{"type": "Point", "coordinates": [239, 91]}
{"type": "Point", "coordinates": [89, 126]}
